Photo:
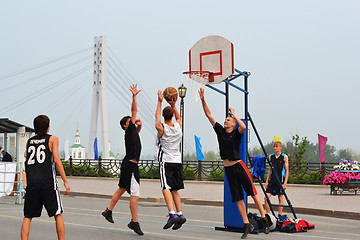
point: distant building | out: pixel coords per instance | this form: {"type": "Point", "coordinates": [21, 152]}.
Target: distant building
{"type": "Point", "coordinates": [77, 150]}
{"type": "Point", "coordinates": [111, 154]}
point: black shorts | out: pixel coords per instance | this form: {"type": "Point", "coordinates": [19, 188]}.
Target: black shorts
{"type": "Point", "coordinates": [171, 176]}
{"type": "Point", "coordinates": [130, 178]}
{"type": "Point", "coordinates": [239, 178]}
{"type": "Point", "coordinates": [274, 188]}
{"type": "Point", "coordinates": [36, 199]}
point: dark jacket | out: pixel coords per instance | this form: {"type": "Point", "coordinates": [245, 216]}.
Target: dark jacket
{"type": "Point", "coordinates": [7, 157]}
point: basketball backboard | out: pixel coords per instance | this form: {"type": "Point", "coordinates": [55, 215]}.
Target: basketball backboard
{"type": "Point", "coordinates": [213, 54]}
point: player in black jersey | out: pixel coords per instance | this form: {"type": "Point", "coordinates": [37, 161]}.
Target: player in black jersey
{"type": "Point", "coordinates": [280, 162]}
{"type": "Point", "coordinates": [237, 174]}
{"type": "Point", "coordinates": [42, 156]}
{"type": "Point", "coordinates": [129, 176]}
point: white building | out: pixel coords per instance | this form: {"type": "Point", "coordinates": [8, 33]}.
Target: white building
{"type": "Point", "coordinates": [77, 150]}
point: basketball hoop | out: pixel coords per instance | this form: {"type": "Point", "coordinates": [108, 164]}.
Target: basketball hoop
{"type": "Point", "coordinates": [197, 80]}
{"type": "Point", "coordinates": [204, 77]}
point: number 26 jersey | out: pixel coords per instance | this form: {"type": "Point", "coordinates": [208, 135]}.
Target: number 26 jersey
{"type": "Point", "coordinates": [39, 164]}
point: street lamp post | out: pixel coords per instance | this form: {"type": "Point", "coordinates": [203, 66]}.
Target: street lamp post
{"type": "Point", "coordinates": [182, 93]}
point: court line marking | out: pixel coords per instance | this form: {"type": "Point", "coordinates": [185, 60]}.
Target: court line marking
{"type": "Point", "coordinates": [114, 229]}
{"type": "Point", "coordinates": [185, 237]}
{"type": "Point", "coordinates": [350, 234]}
{"type": "Point", "coordinates": [126, 213]}
{"type": "Point", "coordinates": [300, 234]}
{"type": "Point", "coordinates": [311, 236]}
{"type": "Point", "coordinates": [145, 215]}
{"type": "Point", "coordinates": [144, 220]}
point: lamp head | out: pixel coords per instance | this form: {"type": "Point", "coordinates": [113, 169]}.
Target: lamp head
{"type": "Point", "coordinates": [182, 91]}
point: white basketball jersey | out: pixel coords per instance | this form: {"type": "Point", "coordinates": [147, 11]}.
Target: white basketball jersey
{"type": "Point", "coordinates": [168, 149]}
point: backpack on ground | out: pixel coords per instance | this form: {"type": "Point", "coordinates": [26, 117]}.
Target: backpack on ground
{"type": "Point", "coordinates": [254, 219]}
{"type": "Point", "coordinates": [297, 225]}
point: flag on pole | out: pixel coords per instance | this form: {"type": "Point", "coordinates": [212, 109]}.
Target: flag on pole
{"type": "Point", "coordinates": [96, 155]}
{"type": "Point", "coordinates": [199, 155]}
{"type": "Point", "coordinates": [322, 144]}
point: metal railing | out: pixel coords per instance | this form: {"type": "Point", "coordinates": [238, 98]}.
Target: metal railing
{"type": "Point", "coordinates": [15, 179]}
{"type": "Point", "coordinates": [193, 170]}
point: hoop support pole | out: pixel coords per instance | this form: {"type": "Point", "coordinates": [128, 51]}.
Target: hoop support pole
{"type": "Point", "coordinates": [233, 77]}
{"type": "Point", "coordinates": [234, 86]}
{"type": "Point", "coordinates": [241, 73]}
{"type": "Point", "coordinates": [217, 90]}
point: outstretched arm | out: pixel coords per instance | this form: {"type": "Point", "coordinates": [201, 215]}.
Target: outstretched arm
{"type": "Point", "coordinates": [206, 108]}
{"type": "Point", "coordinates": [159, 127]}
{"type": "Point", "coordinates": [54, 148]}
{"type": "Point", "coordinates": [242, 125]}
{"type": "Point", "coordinates": [176, 113]}
{"type": "Point", "coordinates": [133, 89]}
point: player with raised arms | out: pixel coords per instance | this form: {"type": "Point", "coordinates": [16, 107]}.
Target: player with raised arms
{"type": "Point", "coordinates": [238, 176]}
{"type": "Point", "coordinates": [169, 156]}
{"type": "Point", "coordinates": [42, 156]}
{"type": "Point", "coordinates": [130, 177]}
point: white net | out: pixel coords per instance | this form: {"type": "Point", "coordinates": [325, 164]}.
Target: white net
{"type": "Point", "coordinates": [197, 80]}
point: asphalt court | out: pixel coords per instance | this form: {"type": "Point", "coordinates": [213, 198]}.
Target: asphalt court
{"type": "Point", "coordinates": [83, 220]}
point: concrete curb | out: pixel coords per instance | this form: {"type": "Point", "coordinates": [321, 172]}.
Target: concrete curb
{"type": "Point", "coordinates": [298, 210]}
{"type": "Point", "coordinates": [192, 181]}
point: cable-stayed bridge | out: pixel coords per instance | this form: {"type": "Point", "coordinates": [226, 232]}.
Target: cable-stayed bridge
{"type": "Point", "coordinates": [62, 89]}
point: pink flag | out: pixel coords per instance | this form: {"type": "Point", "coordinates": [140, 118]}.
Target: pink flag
{"type": "Point", "coordinates": [322, 144]}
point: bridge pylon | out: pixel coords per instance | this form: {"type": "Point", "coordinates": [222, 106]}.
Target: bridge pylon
{"type": "Point", "coordinates": [99, 102]}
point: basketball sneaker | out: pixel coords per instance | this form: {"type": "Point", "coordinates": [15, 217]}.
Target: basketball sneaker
{"type": "Point", "coordinates": [181, 221]}
{"type": "Point", "coordinates": [108, 215]}
{"type": "Point", "coordinates": [248, 228]}
{"type": "Point", "coordinates": [136, 227]}
{"type": "Point", "coordinates": [173, 218]}
{"type": "Point", "coordinates": [265, 225]}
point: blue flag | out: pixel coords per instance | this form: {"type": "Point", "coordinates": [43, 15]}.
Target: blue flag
{"type": "Point", "coordinates": [96, 155]}
{"type": "Point", "coordinates": [199, 155]}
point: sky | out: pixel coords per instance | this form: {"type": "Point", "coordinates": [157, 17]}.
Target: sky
{"type": "Point", "coordinates": [303, 57]}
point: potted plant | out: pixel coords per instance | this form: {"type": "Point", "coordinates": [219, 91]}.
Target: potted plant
{"type": "Point", "coordinates": [346, 177]}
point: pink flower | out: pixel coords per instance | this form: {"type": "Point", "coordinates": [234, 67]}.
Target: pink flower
{"type": "Point", "coordinates": [340, 177]}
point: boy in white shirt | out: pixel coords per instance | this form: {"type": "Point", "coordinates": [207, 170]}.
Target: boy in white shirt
{"type": "Point", "coordinates": [169, 156]}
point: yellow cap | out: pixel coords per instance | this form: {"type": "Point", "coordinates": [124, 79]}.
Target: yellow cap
{"type": "Point", "coordinates": [277, 139]}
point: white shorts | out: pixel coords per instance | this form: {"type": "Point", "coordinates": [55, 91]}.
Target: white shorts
{"type": "Point", "coordinates": [134, 187]}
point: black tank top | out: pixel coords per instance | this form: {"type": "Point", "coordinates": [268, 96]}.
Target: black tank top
{"type": "Point", "coordinates": [39, 164]}
{"type": "Point", "coordinates": [132, 143]}
{"type": "Point", "coordinates": [229, 143]}
{"type": "Point", "coordinates": [279, 166]}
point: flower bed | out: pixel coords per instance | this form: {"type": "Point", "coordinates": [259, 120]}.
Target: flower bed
{"type": "Point", "coordinates": [346, 177]}
{"type": "Point", "coordinates": [347, 165]}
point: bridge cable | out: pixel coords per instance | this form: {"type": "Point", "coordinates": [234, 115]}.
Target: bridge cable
{"type": "Point", "coordinates": [49, 87]}
{"type": "Point", "coordinates": [187, 146]}
{"type": "Point", "coordinates": [45, 74]}
{"type": "Point", "coordinates": [42, 64]}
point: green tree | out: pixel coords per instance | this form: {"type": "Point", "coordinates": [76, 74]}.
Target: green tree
{"type": "Point", "coordinates": [211, 156]}
{"type": "Point", "coordinates": [208, 156]}
{"type": "Point", "coordinates": [296, 149]}
{"type": "Point", "coordinates": [346, 154]}
{"type": "Point", "coordinates": [190, 157]}
{"type": "Point", "coordinates": [258, 151]}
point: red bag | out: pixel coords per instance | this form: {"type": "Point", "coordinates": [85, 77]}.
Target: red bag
{"type": "Point", "coordinates": [302, 225]}
{"type": "Point", "coordinates": [299, 225]}
{"type": "Point", "coordinates": [289, 227]}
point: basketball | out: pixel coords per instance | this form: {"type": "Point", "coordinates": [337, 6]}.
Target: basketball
{"type": "Point", "coordinates": [170, 93]}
